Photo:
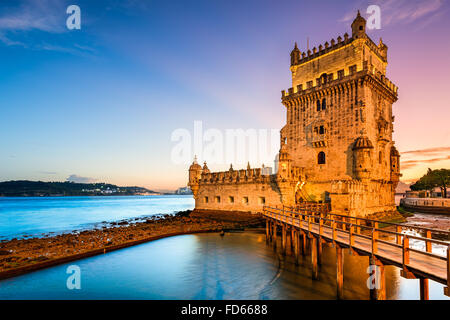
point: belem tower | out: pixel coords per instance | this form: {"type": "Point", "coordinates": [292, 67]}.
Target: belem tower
{"type": "Point", "coordinates": [336, 146]}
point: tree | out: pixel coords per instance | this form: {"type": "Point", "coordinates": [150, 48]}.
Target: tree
{"type": "Point", "coordinates": [433, 178]}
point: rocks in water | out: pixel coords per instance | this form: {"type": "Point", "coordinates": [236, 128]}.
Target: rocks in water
{"type": "Point", "coordinates": [4, 252]}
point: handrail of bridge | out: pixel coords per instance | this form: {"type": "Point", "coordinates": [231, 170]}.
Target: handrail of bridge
{"type": "Point", "coordinates": [364, 219]}
{"type": "Point", "coordinates": [402, 240]}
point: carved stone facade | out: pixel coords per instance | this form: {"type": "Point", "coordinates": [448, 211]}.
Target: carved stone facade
{"type": "Point", "coordinates": [337, 143]}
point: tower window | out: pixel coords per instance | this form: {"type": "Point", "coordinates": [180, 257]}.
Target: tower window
{"type": "Point", "coordinates": [324, 104]}
{"type": "Point", "coordinates": [318, 105]}
{"type": "Point", "coordinates": [321, 130]}
{"type": "Point", "coordinates": [245, 200]}
{"type": "Point", "coordinates": [218, 199]}
{"type": "Point", "coordinates": [321, 157]}
{"type": "Point", "coordinates": [340, 74]}
{"type": "Point", "coordinates": [352, 69]}
{"type": "Point", "coordinates": [262, 200]}
{"type": "Point", "coordinates": [231, 198]}
{"type": "Point", "coordinates": [206, 199]}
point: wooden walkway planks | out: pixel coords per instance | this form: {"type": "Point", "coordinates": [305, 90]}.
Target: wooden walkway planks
{"type": "Point", "coordinates": [420, 264]}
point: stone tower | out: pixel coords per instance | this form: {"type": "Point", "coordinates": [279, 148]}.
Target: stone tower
{"type": "Point", "coordinates": [337, 143]}
{"type": "Point", "coordinates": [340, 123]}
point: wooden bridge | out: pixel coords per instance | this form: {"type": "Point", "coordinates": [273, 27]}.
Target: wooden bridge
{"type": "Point", "coordinates": [314, 224]}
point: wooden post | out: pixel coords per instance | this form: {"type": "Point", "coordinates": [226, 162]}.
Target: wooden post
{"type": "Point", "coordinates": [292, 239]}
{"type": "Point", "coordinates": [275, 236]}
{"type": "Point", "coordinates": [424, 289]}
{"type": "Point", "coordinates": [377, 289]}
{"type": "Point", "coordinates": [339, 272]}
{"type": "Point", "coordinates": [428, 243]}
{"type": "Point", "coordinates": [405, 251]}
{"type": "Point", "coordinates": [447, 289]}
{"type": "Point", "coordinates": [296, 245]}
{"type": "Point", "coordinates": [381, 290]}
{"type": "Point", "coordinates": [283, 239]}
{"type": "Point", "coordinates": [374, 242]}
{"type": "Point", "coordinates": [315, 267]}
{"type": "Point", "coordinates": [399, 237]}
{"type": "Point", "coordinates": [267, 231]}
{"type": "Point", "coordinates": [303, 243]}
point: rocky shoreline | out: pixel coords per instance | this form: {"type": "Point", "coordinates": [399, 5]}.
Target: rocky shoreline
{"type": "Point", "coordinates": [18, 256]}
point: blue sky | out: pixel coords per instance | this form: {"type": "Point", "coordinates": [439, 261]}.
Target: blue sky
{"type": "Point", "coordinates": [101, 102]}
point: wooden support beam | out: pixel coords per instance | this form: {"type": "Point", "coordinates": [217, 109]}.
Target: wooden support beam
{"type": "Point", "coordinates": [283, 239]}
{"type": "Point", "coordinates": [399, 237]}
{"type": "Point", "coordinates": [292, 240]}
{"type": "Point", "coordinates": [339, 272]}
{"type": "Point", "coordinates": [296, 246]}
{"type": "Point", "coordinates": [319, 251]}
{"type": "Point", "coordinates": [447, 289]}
{"type": "Point", "coordinates": [428, 243]}
{"type": "Point", "coordinates": [274, 235]}
{"type": "Point", "coordinates": [424, 289]}
{"type": "Point", "coordinates": [314, 264]}
{"type": "Point", "coordinates": [267, 231]}
{"type": "Point", "coordinates": [378, 287]}
{"type": "Point", "coordinates": [303, 243]}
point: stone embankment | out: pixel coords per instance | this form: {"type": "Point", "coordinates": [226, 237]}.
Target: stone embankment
{"type": "Point", "coordinates": [18, 256]}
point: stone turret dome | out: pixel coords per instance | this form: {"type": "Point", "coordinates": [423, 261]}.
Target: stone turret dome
{"type": "Point", "coordinates": [394, 152]}
{"type": "Point", "coordinates": [205, 168]}
{"type": "Point", "coordinates": [358, 26]}
{"type": "Point", "coordinates": [195, 165]}
{"type": "Point", "coordinates": [362, 142]}
{"type": "Point", "coordinates": [295, 55]}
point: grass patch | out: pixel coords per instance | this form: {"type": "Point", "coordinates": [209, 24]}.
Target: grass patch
{"type": "Point", "coordinates": [404, 212]}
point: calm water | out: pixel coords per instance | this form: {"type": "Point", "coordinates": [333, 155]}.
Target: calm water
{"type": "Point", "coordinates": [35, 216]}
{"type": "Point", "coordinates": [207, 266]}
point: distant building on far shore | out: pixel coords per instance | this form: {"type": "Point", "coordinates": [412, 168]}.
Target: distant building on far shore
{"type": "Point", "coordinates": [183, 190]}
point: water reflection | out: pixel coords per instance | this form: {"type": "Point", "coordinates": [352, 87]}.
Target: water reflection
{"type": "Point", "coordinates": [207, 266]}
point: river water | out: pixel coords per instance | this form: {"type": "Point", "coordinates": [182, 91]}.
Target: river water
{"type": "Point", "coordinates": [207, 266]}
{"type": "Point", "coordinates": [37, 216]}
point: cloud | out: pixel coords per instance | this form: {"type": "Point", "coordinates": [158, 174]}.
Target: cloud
{"type": "Point", "coordinates": [400, 11]}
{"type": "Point", "coordinates": [429, 151]}
{"type": "Point", "coordinates": [48, 172]}
{"type": "Point", "coordinates": [412, 163]}
{"type": "Point", "coordinates": [48, 16]}
{"type": "Point", "coordinates": [43, 15]}
{"type": "Point", "coordinates": [79, 179]}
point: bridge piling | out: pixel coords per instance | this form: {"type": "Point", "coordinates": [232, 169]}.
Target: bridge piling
{"type": "Point", "coordinates": [295, 236]}
{"type": "Point", "coordinates": [378, 289]}
{"type": "Point", "coordinates": [424, 289]}
{"type": "Point", "coordinates": [274, 236]}
{"type": "Point", "coordinates": [314, 264]}
{"type": "Point", "coordinates": [283, 239]}
{"type": "Point", "coordinates": [339, 272]}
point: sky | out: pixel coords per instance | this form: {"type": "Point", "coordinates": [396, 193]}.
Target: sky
{"type": "Point", "coordinates": [101, 103]}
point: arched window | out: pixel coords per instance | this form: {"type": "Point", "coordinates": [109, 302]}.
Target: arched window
{"type": "Point", "coordinates": [324, 104]}
{"type": "Point", "coordinates": [318, 105]}
{"type": "Point", "coordinates": [321, 157]}
{"type": "Point", "coordinates": [321, 130]}
{"type": "Point", "coordinates": [323, 78]}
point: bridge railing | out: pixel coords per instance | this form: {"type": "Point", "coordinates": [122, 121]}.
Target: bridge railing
{"type": "Point", "coordinates": [353, 226]}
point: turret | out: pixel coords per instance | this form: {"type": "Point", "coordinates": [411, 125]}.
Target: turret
{"type": "Point", "coordinates": [383, 49]}
{"type": "Point", "coordinates": [295, 55]}
{"type": "Point", "coordinates": [395, 164]}
{"type": "Point", "coordinates": [362, 157]}
{"type": "Point", "coordinates": [195, 173]}
{"type": "Point", "coordinates": [284, 163]}
{"type": "Point", "coordinates": [359, 27]}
